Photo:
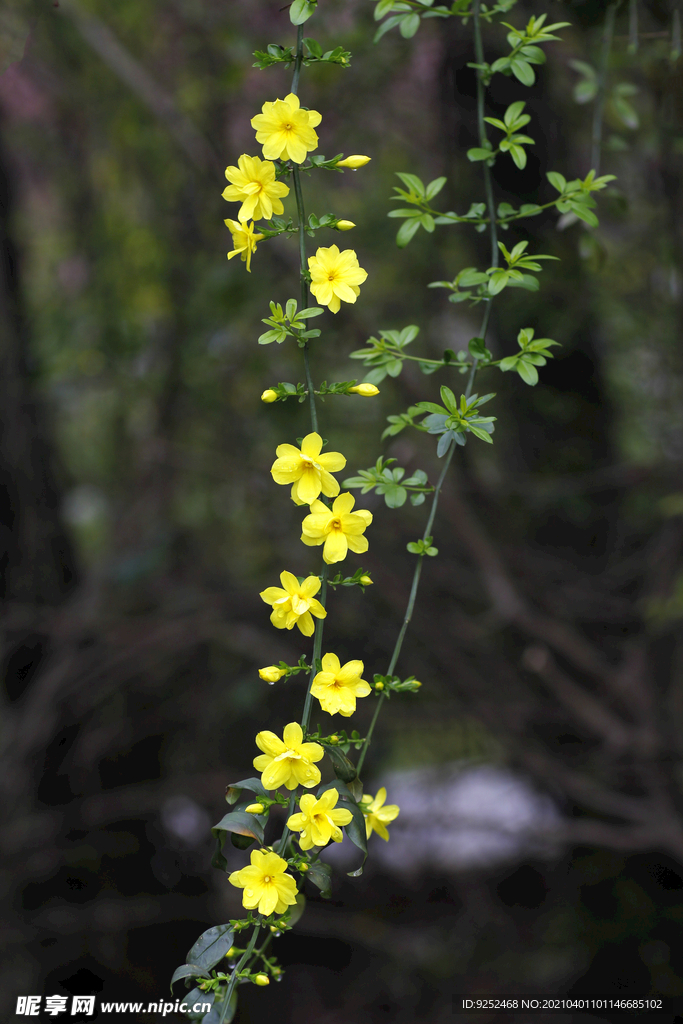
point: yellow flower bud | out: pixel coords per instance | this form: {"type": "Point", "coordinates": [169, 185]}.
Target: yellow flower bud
{"type": "Point", "coordinates": [416, 683]}
{"type": "Point", "coordinates": [379, 686]}
{"type": "Point", "coordinates": [262, 979]}
{"type": "Point", "coordinates": [354, 161]}
{"type": "Point", "coordinates": [274, 928]}
{"type": "Point", "coordinates": [366, 390]}
{"type": "Point", "coordinates": [271, 673]}
{"type": "Point", "coordinates": [254, 809]}
{"type": "Point", "coordinates": [344, 225]}
{"type": "Point", "coordinates": [366, 581]}
{"type": "Point", "coordinates": [269, 395]}
{"type": "Point", "coordinates": [303, 868]}
{"type": "Point", "coordinates": [334, 739]}
{"type": "Point", "coordinates": [231, 952]}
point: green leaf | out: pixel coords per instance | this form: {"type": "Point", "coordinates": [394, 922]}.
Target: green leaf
{"type": "Point", "coordinates": [527, 372]}
{"type": "Point", "coordinates": [320, 873]}
{"type": "Point", "coordinates": [188, 971]}
{"type": "Point", "coordinates": [448, 399]}
{"type": "Point", "coordinates": [301, 11]}
{"type": "Point", "coordinates": [412, 182]}
{"type": "Point", "coordinates": [410, 23]}
{"type": "Point", "coordinates": [211, 946]}
{"type": "Point", "coordinates": [382, 8]}
{"type": "Point", "coordinates": [557, 180]}
{"type": "Point", "coordinates": [479, 154]}
{"type": "Point", "coordinates": [406, 232]}
{"type": "Point", "coordinates": [386, 26]}
{"type": "Point", "coordinates": [343, 768]}
{"type": "Point", "coordinates": [583, 213]}
{"type": "Point", "coordinates": [434, 187]}
{"type": "Point", "coordinates": [395, 496]}
{"type": "Point", "coordinates": [314, 47]}
{"type": "Point", "coordinates": [240, 824]}
{"type": "Point", "coordinates": [306, 314]}
{"type": "Point", "coordinates": [513, 112]}
{"type": "Point", "coordinates": [197, 996]}
{"type": "Point", "coordinates": [441, 449]}
{"type": "Point", "coordinates": [232, 793]}
{"type": "Point", "coordinates": [417, 499]}
{"type": "Point", "coordinates": [522, 71]}
{"type": "Point", "coordinates": [518, 154]}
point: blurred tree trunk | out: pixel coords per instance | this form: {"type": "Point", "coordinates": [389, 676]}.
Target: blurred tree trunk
{"type": "Point", "coordinates": [37, 557]}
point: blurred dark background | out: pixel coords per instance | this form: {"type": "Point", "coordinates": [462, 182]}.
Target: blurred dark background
{"type": "Point", "coordinates": [540, 845]}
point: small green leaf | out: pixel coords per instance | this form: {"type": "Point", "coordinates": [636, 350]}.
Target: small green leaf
{"type": "Point", "coordinates": [301, 11]}
{"type": "Point", "coordinates": [406, 232]}
{"type": "Point", "coordinates": [523, 71]}
{"type": "Point", "coordinates": [410, 23]}
{"type": "Point", "coordinates": [478, 154]}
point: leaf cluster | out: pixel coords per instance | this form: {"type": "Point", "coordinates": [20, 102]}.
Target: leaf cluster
{"type": "Point", "coordinates": [532, 354]}
{"type": "Point", "coordinates": [457, 419]}
{"type": "Point", "coordinates": [288, 323]}
{"type": "Point", "coordinates": [394, 684]}
{"type": "Point", "coordinates": [525, 51]}
{"type": "Point", "coordinates": [391, 483]}
{"type": "Point", "coordinates": [348, 581]}
{"type": "Point", "coordinates": [513, 143]}
{"type": "Point", "coordinates": [575, 196]}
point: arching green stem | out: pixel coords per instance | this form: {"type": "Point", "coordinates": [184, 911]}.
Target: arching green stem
{"type": "Point", "coordinates": [238, 967]}
{"type": "Point", "coordinates": [411, 601]}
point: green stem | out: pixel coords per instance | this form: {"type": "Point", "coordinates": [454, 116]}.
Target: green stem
{"type": "Point", "coordinates": [411, 601]}
{"type": "Point", "coordinates": [599, 109]}
{"type": "Point", "coordinates": [298, 60]}
{"type": "Point", "coordinates": [238, 967]}
{"type": "Point", "coordinates": [311, 391]}
{"type": "Point", "coordinates": [483, 137]}
{"type": "Point", "coordinates": [488, 184]}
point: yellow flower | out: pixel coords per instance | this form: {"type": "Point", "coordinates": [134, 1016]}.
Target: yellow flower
{"type": "Point", "coordinates": [269, 395]}
{"type": "Point", "coordinates": [287, 761]}
{"type": "Point", "coordinates": [344, 225]}
{"type": "Point", "coordinates": [254, 809]}
{"type": "Point", "coordinates": [244, 240]}
{"type": "Point", "coordinates": [318, 821]}
{"type": "Point", "coordinates": [262, 979]}
{"type": "Point", "coordinates": [366, 390]}
{"type": "Point", "coordinates": [377, 815]}
{"type": "Point", "coordinates": [338, 528]}
{"type": "Point", "coordinates": [354, 161]}
{"type": "Point", "coordinates": [286, 130]}
{"type": "Point", "coordinates": [307, 470]}
{"type": "Point", "coordinates": [335, 275]}
{"type": "Point", "coordinates": [295, 604]}
{"type": "Point", "coordinates": [337, 688]}
{"type": "Point", "coordinates": [253, 184]}
{"type": "Point", "coordinates": [265, 883]}
{"type": "Point", "coordinates": [271, 673]}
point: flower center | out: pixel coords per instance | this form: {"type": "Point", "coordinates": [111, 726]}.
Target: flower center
{"type": "Point", "coordinates": [289, 755]}
{"type": "Point", "coordinates": [331, 275]}
{"type": "Point", "coordinates": [299, 604]}
{"type": "Point", "coordinates": [266, 878]}
{"type": "Point", "coordinates": [336, 524]}
{"type": "Point", "coordinates": [309, 463]}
